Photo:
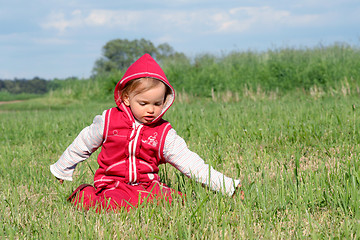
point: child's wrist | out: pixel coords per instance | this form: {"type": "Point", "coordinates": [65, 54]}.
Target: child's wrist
{"type": "Point", "coordinates": [238, 189]}
{"type": "Point", "coordinates": [60, 180]}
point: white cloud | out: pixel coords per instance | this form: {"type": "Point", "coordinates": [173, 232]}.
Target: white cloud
{"type": "Point", "coordinates": [235, 20]}
{"type": "Point", "coordinates": [259, 18]}
{"type": "Point", "coordinates": [112, 18]}
{"type": "Point", "coordinates": [94, 18]}
{"type": "Point", "coordinates": [56, 20]}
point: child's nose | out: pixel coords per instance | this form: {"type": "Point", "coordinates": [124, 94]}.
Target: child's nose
{"type": "Point", "coordinates": [151, 109]}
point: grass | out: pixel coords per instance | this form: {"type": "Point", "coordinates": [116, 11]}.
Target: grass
{"type": "Point", "coordinates": [5, 96]}
{"type": "Point", "coordinates": [296, 155]}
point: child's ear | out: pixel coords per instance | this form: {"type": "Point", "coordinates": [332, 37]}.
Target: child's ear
{"type": "Point", "coordinates": [126, 100]}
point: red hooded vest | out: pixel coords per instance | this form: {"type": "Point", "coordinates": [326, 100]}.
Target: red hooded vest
{"type": "Point", "coordinates": [131, 153]}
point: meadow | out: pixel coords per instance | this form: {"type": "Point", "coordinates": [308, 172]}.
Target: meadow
{"type": "Point", "coordinates": [297, 158]}
{"type": "Point", "coordinates": [296, 153]}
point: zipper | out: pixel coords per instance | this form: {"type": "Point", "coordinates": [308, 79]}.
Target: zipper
{"type": "Point", "coordinates": [134, 136]}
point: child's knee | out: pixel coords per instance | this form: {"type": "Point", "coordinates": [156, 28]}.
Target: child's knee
{"type": "Point", "coordinates": [84, 197]}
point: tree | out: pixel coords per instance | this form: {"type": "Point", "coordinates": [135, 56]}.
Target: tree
{"type": "Point", "coordinates": [164, 51]}
{"type": "Point", "coordinates": [119, 54]}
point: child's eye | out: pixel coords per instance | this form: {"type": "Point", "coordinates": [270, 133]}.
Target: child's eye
{"type": "Point", "coordinates": [142, 103]}
{"type": "Point", "coordinates": [158, 104]}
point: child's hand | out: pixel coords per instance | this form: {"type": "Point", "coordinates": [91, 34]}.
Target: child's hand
{"type": "Point", "coordinates": [242, 194]}
{"type": "Point", "coordinates": [60, 180]}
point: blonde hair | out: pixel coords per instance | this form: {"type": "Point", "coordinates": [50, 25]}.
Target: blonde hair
{"type": "Point", "coordinates": [141, 85]}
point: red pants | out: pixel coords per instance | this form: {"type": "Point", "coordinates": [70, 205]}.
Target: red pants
{"type": "Point", "coordinates": [123, 195]}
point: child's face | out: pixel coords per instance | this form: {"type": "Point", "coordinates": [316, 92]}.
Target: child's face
{"type": "Point", "coordinates": [148, 105]}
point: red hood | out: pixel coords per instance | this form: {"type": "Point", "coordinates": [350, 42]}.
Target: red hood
{"type": "Point", "coordinates": [145, 66]}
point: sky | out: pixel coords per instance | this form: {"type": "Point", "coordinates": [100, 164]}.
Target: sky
{"type": "Point", "coordinates": [63, 38]}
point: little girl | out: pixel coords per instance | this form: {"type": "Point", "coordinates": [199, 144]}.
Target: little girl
{"type": "Point", "coordinates": [135, 140]}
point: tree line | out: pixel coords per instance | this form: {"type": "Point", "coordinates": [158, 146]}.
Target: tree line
{"type": "Point", "coordinates": [35, 86]}
{"type": "Point", "coordinates": [117, 55]}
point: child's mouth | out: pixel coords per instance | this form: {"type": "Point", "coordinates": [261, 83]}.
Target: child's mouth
{"type": "Point", "coordinates": [149, 118]}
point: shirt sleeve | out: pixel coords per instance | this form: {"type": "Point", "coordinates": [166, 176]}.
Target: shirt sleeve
{"type": "Point", "coordinates": [87, 142]}
{"type": "Point", "coordinates": [192, 165]}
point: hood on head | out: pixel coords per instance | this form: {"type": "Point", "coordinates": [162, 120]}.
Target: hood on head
{"type": "Point", "coordinates": [145, 66]}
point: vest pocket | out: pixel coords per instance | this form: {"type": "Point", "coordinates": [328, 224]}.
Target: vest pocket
{"type": "Point", "coordinates": [116, 167]}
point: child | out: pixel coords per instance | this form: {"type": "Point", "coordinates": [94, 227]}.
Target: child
{"type": "Point", "coordinates": [135, 140]}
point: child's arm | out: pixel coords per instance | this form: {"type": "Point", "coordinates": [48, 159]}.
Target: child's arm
{"type": "Point", "coordinates": [189, 163]}
{"type": "Point", "coordinates": [89, 139]}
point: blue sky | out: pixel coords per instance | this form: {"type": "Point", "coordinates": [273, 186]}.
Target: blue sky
{"type": "Point", "coordinates": [59, 39]}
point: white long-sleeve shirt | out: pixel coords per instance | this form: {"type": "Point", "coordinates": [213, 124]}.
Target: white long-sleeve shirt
{"type": "Point", "coordinates": [175, 152]}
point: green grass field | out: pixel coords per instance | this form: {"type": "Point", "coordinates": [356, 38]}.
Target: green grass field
{"type": "Point", "coordinates": [296, 155]}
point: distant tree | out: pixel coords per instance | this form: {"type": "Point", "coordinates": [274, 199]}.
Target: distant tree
{"type": "Point", "coordinates": [2, 85]}
{"type": "Point", "coordinates": [37, 86]}
{"type": "Point", "coordinates": [16, 86]}
{"type": "Point", "coordinates": [164, 51]}
{"type": "Point", "coordinates": [119, 54]}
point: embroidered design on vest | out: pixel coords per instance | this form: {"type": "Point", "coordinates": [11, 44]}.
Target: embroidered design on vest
{"type": "Point", "coordinates": [151, 140]}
